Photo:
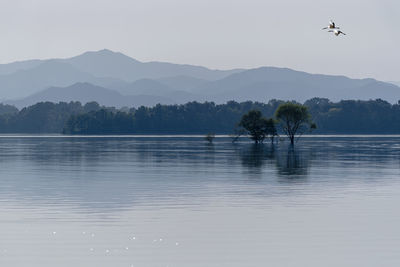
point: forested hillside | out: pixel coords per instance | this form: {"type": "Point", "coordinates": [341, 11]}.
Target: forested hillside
{"type": "Point", "coordinates": [45, 117]}
{"type": "Point", "coordinates": [344, 117]}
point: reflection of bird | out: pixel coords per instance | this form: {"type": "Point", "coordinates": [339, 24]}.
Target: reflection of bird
{"type": "Point", "coordinates": [332, 25]}
{"type": "Point", "coordinates": [337, 32]}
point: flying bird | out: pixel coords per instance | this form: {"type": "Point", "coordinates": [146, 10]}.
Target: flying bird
{"type": "Point", "coordinates": [332, 25]}
{"type": "Point", "coordinates": [337, 32]}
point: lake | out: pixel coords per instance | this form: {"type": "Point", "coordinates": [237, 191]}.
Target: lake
{"type": "Point", "coordinates": [178, 201]}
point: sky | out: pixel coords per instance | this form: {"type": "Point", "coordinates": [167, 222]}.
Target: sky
{"type": "Point", "coordinates": [219, 34]}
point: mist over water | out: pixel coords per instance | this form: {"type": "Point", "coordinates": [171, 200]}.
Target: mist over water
{"type": "Point", "coordinates": [178, 201]}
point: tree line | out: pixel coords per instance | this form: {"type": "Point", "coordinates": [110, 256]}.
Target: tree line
{"type": "Point", "coordinates": [344, 117]}
{"type": "Point", "coordinates": [44, 117]}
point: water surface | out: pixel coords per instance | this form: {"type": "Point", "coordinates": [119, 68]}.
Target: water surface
{"type": "Point", "coordinates": [178, 201]}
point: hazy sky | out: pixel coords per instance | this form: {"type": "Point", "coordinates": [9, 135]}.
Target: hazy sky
{"type": "Point", "coordinates": [214, 33]}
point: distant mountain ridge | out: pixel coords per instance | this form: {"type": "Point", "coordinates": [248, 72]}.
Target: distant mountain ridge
{"type": "Point", "coordinates": [112, 78]}
{"type": "Point", "coordinates": [395, 83]}
{"type": "Point", "coordinates": [86, 92]}
{"type": "Point", "coordinates": [103, 68]}
{"type": "Point", "coordinates": [10, 68]}
{"type": "Point", "coordinates": [49, 73]}
{"type": "Point", "coordinates": [106, 63]}
{"type": "Point", "coordinates": [265, 83]}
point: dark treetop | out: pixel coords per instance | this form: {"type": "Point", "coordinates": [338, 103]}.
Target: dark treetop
{"type": "Point", "coordinates": [294, 120]}
{"type": "Point", "coordinates": [257, 126]}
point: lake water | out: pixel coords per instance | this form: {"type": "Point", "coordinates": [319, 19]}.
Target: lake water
{"type": "Point", "coordinates": [177, 201]}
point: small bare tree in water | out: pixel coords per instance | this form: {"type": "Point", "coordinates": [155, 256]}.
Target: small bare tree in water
{"type": "Point", "coordinates": [209, 137]}
{"type": "Point", "coordinates": [238, 132]}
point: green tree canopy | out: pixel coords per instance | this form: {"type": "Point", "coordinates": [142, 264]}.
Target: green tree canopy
{"type": "Point", "coordinates": [257, 126]}
{"type": "Point", "coordinates": [294, 119]}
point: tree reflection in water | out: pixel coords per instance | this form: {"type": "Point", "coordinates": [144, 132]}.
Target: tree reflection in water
{"type": "Point", "coordinates": [257, 155]}
{"type": "Point", "coordinates": [288, 162]}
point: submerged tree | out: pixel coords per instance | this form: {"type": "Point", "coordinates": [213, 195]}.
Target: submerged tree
{"type": "Point", "coordinates": [257, 126]}
{"type": "Point", "coordinates": [237, 133]}
{"type": "Point", "coordinates": [271, 129]}
{"type": "Point", "coordinates": [294, 119]}
{"type": "Point", "coordinates": [210, 137]}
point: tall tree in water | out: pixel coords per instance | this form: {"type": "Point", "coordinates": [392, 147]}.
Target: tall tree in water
{"type": "Point", "coordinates": [294, 119]}
{"type": "Point", "coordinates": [257, 126]}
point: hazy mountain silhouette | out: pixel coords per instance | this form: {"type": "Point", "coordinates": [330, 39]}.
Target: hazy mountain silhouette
{"type": "Point", "coordinates": [49, 73]}
{"type": "Point", "coordinates": [260, 84]}
{"type": "Point", "coordinates": [106, 63]}
{"type": "Point", "coordinates": [86, 92]}
{"type": "Point", "coordinates": [145, 86]}
{"type": "Point", "coordinates": [156, 88]}
{"type": "Point", "coordinates": [395, 83]}
{"type": "Point", "coordinates": [266, 83]}
{"type": "Point", "coordinates": [166, 83]}
{"type": "Point", "coordinates": [183, 83]}
{"type": "Point", "coordinates": [104, 68]}
{"type": "Point", "coordinates": [19, 65]}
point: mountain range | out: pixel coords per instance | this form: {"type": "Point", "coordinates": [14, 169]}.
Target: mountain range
{"type": "Point", "coordinates": [114, 79]}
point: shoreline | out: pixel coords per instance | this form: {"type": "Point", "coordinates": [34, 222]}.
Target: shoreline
{"type": "Point", "coordinates": [190, 136]}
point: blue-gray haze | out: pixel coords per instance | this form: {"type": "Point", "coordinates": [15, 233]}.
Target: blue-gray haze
{"type": "Point", "coordinates": [223, 34]}
{"type": "Point", "coordinates": [114, 79]}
